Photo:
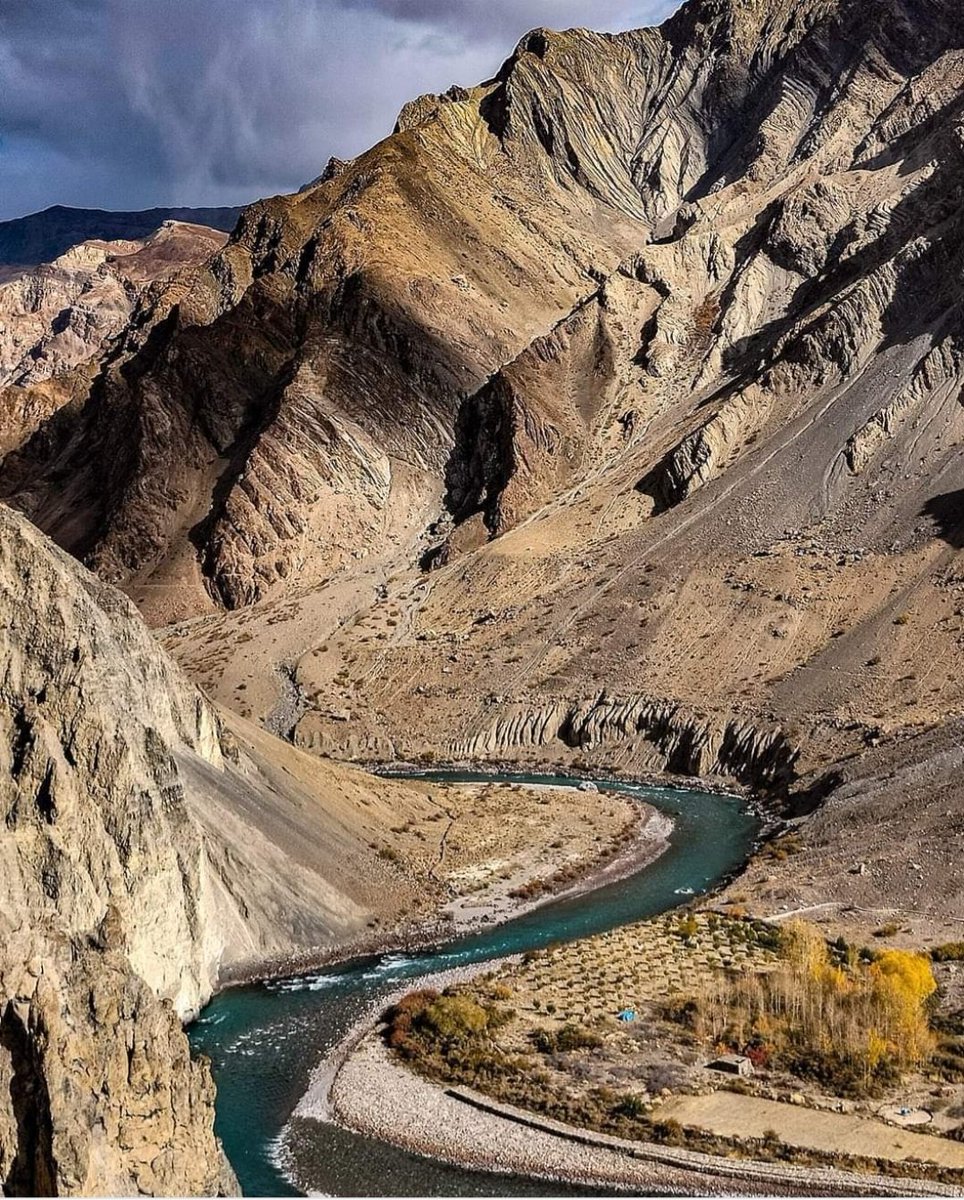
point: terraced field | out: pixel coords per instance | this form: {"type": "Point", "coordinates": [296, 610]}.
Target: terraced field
{"type": "Point", "coordinates": [652, 960]}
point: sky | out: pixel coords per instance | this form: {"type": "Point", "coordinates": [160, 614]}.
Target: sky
{"type": "Point", "coordinates": [128, 104]}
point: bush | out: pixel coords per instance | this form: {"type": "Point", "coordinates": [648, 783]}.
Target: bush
{"type": "Point", "coordinates": [560, 1041]}
{"type": "Point", "coordinates": [631, 1106]}
{"type": "Point", "coordinates": [426, 1022]}
{"type": "Point", "coordinates": [670, 1133]}
{"type": "Point", "coordinates": [682, 1010]}
{"type": "Point", "coordinates": [454, 1017]}
{"type": "Point", "coordinates": [949, 952]}
{"type": "Point", "coordinates": [888, 930]}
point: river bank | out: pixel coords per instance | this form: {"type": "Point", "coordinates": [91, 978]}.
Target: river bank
{"type": "Point", "coordinates": [466, 915]}
{"type": "Point", "coordinates": [462, 1128]}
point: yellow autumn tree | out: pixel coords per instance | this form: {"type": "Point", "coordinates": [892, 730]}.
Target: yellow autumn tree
{"type": "Point", "coordinates": [858, 1019]}
{"type": "Point", "coordinates": [902, 983]}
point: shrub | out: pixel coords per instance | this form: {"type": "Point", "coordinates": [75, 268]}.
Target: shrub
{"type": "Point", "coordinates": [570, 1037]}
{"type": "Point", "coordinates": [669, 1132]}
{"type": "Point", "coordinates": [455, 1017]}
{"type": "Point", "coordinates": [888, 930]}
{"type": "Point", "coordinates": [631, 1106]}
{"type": "Point", "coordinates": [948, 952]}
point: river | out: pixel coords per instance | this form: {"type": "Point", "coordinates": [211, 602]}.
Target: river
{"type": "Point", "coordinates": [265, 1040]}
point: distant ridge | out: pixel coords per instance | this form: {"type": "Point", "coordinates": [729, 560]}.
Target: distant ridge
{"type": "Point", "coordinates": [43, 236]}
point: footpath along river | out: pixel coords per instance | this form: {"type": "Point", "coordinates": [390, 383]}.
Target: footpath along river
{"type": "Point", "coordinates": [266, 1039]}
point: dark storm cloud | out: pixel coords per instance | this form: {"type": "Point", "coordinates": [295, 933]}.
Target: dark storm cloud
{"type": "Point", "coordinates": [487, 20]}
{"type": "Point", "coordinates": [129, 103]}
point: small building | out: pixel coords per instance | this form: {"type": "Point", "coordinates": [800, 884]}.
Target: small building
{"type": "Point", "coordinates": [731, 1064]}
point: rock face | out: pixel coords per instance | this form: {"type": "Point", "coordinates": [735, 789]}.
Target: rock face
{"type": "Point", "coordinates": [57, 318]}
{"type": "Point", "coordinates": [666, 737]}
{"type": "Point", "coordinates": [101, 881]}
{"type": "Point", "coordinates": [100, 1093]}
{"type": "Point", "coordinates": [792, 217]}
{"type": "Point", "coordinates": [146, 852]}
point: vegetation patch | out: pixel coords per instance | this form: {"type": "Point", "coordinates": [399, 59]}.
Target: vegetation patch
{"type": "Point", "coordinates": [823, 1014]}
{"type": "Point", "coordinates": [600, 1034]}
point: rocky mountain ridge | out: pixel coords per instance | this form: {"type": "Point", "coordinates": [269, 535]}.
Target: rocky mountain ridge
{"type": "Point", "coordinates": [58, 320]}
{"type": "Point", "coordinates": [26, 242]}
{"type": "Point", "coordinates": [667, 320]}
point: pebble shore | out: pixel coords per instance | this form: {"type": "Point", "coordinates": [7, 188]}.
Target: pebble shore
{"type": "Point", "coordinates": [471, 1131]}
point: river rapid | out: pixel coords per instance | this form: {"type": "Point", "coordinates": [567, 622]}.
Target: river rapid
{"type": "Point", "coordinates": [265, 1040]}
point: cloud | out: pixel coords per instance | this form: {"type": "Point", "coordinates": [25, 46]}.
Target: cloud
{"type": "Point", "coordinates": [129, 103]}
{"type": "Point", "coordinates": [491, 20]}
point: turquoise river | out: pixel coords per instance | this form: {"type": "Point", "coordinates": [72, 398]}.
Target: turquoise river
{"type": "Point", "coordinates": [265, 1040]}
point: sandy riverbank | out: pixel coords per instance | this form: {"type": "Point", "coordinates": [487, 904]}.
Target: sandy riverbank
{"type": "Point", "coordinates": [474, 911]}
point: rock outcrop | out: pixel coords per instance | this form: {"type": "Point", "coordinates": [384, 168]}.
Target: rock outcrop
{"type": "Point", "coordinates": [104, 939]}
{"type": "Point", "coordinates": [660, 736]}
{"type": "Point", "coordinates": [147, 851]}
{"type": "Point", "coordinates": [790, 219]}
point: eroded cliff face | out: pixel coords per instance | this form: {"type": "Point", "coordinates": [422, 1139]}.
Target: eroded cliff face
{"type": "Point", "coordinates": [147, 851]}
{"type": "Point", "coordinates": [797, 168]}
{"type": "Point", "coordinates": [649, 736]}
{"type": "Point", "coordinates": [100, 1093]}
{"type": "Point", "coordinates": [104, 944]}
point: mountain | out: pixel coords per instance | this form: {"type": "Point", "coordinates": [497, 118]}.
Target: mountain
{"type": "Point", "coordinates": [43, 236]}
{"type": "Point", "coordinates": [150, 850]}
{"type": "Point", "coordinates": [61, 316]}
{"type": "Point", "coordinates": [609, 410]}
